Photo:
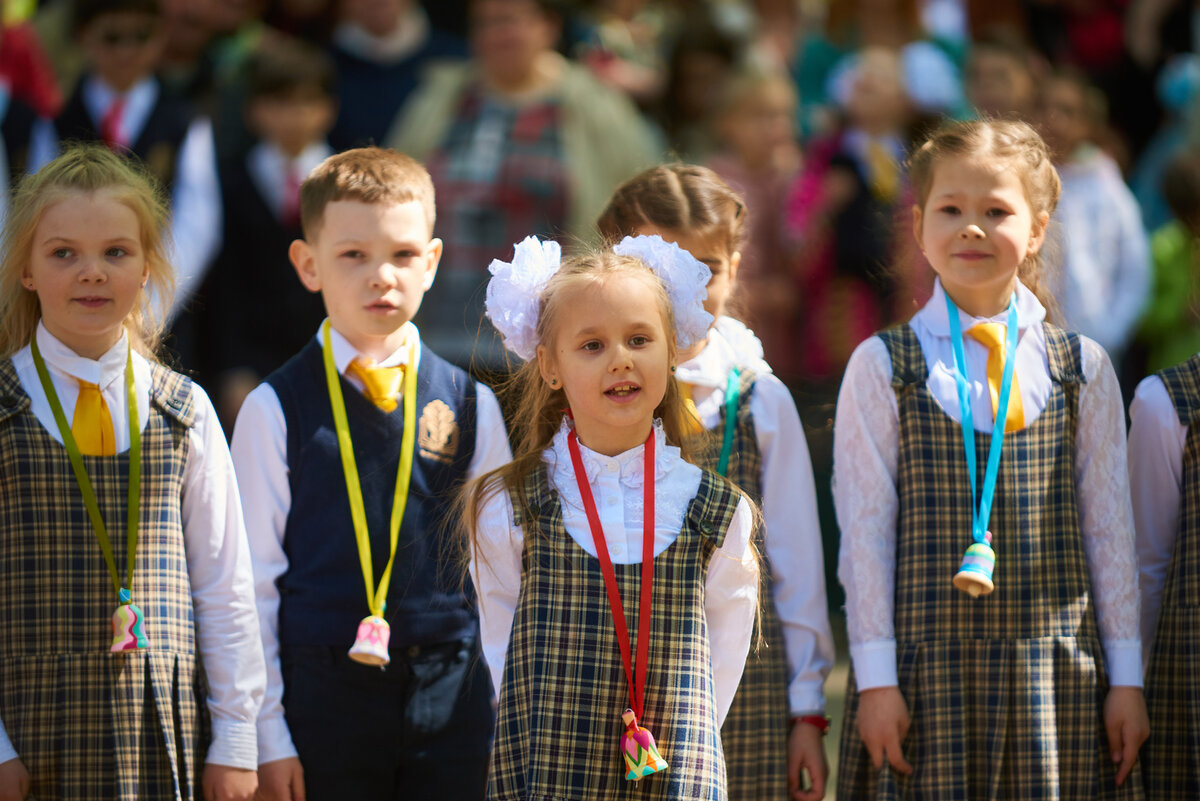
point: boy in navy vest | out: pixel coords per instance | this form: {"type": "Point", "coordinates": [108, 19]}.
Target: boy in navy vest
{"type": "Point", "coordinates": [320, 518]}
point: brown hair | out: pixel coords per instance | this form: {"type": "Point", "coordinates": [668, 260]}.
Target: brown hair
{"type": "Point", "coordinates": [368, 175]}
{"type": "Point", "coordinates": [86, 169]}
{"type": "Point", "coordinates": [539, 409]}
{"type": "Point", "coordinates": [1020, 147]}
{"type": "Point", "coordinates": [676, 197]}
{"type": "Point", "coordinates": [284, 67]}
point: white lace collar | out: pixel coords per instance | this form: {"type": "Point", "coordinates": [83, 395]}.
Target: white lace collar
{"type": "Point", "coordinates": [730, 344]}
{"type": "Point", "coordinates": [630, 463]}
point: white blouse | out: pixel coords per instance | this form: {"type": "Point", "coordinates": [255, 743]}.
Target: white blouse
{"type": "Point", "coordinates": [866, 446]}
{"type": "Point", "coordinates": [218, 556]}
{"type": "Point", "coordinates": [792, 530]}
{"type": "Point", "coordinates": [731, 586]}
{"type": "Point", "coordinates": [1156, 443]}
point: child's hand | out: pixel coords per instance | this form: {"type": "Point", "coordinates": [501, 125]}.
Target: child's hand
{"type": "Point", "coordinates": [14, 781]}
{"type": "Point", "coordinates": [281, 780]}
{"type": "Point", "coordinates": [883, 723]}
{"type": "Point", "coordinates": [224, 783]}
{"type": "Point", "coordinates": [806, 751]}
{"type": "Point", "coordinates": [1128, 726]}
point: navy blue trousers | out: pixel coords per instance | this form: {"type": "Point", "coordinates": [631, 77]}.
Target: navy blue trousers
{"type": "Point", "coordinates": [419, 729]}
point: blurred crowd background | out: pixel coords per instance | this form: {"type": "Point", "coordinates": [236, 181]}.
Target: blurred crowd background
{"type": "Point", "coordinates": [528, 113]}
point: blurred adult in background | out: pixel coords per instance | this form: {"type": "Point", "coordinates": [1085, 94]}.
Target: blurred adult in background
{"type": "Point", "coordinates": [1097, 227]}
{"type": "Point", "coordinates": [380, 48]}
{"type": "Point", "coordinates": [519, 141]}
{"type": "Point", "coordinates": [702, 59]}
{"type": "Point", "coordinates": [624, 43]}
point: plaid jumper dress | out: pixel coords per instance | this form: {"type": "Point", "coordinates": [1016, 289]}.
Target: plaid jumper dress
{"type": "Point", "coordinates": [1171, 757]}
{"type": "Point", "coordinates": [1005, 691]}
{"type": "Point", "coordinates": [87, 723]}
{"type": "Point", "coordinates": [558, 728]}
{"type": "Point", "coordinates": [755, 732]}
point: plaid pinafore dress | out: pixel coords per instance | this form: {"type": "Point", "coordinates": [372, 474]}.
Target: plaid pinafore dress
{"type": "Point", "coordinates": [755, 732]}
{"type": "Point", "coordinates": [558, 727]}
{"type": "Point", "coordinates": [1005, 691]}
{"type": "Point", "coordinates": [87, 723]}
{"type": "Point", "coordinates": [1171, 757]}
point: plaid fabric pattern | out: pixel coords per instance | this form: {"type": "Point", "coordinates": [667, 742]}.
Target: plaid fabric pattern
{"type": "Point", "coordinates": [559, 727]}
{"type": "Point", "coordinates": [1005, 691]}
{"type": "Point", "coordinates": [88, 723]}
{"type": "Point", "coordinates": [1171, 757]}
{"type": "Point", "coordinates": [755, 732]}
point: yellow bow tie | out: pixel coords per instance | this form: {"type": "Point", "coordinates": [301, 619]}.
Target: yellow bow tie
{"type": "Point", "coordinates": [92, 425]}
{"type": "Point", "coordinates": [692, 419]}
{"type": "Point", "coordinates": [380, 384]}
{"type": "Point", "coordinates": [992, 336]}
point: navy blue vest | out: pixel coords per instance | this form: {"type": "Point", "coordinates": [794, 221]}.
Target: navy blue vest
{"type": "Point", "coordinates": [322, 595]}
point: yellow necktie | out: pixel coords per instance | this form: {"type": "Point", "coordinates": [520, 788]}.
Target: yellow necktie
{"type": "Point", "coordinates": [692, 417]}
{"type": "Point", "coordinates": [992, 336]}
{"type": "Point", "coordinates": [92, 425]}
{"type": "Point", "coordinates": [380, 384]}
{"type": "Point", "coordinates": [885, 173]}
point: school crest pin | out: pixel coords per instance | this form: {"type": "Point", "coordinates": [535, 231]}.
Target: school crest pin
{"type": "Point", "coordinates": [438, 432]}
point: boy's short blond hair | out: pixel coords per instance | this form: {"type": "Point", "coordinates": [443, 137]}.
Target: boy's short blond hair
{"type": "Point", "coordinates": [368, 175]}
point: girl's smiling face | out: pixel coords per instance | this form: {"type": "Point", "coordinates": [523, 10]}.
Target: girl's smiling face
{"type": "Point", "coordinates": [609, 353]}
{"type": "Point", "coordinates": [87, 266]}
{"type": "Point", "coordinates": [976, 229]}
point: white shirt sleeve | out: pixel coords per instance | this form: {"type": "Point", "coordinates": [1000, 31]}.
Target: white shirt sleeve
{"type": "Point", "coordinates": [866, 446]}
{"type": "Point", "coordinates": [730, 600]}
{"type": "Point", "coordinates": [496, 573]}
{"type": "Point", "coordinates": [1156, 443]}
{"type": "Point", "coordinates": [259, 450]}
{"type": "Point", "coordinates": [1106, 516]}
{"type": "Point", "coordinates": [7, 752]}
{"type": "Point", "coordinates": [196, 213]}
{"type": "Point", "coordinates": [43, 144]}
{"type": "Point", "coordinates": [491, 438]}
{"type": "Point", "coordinates": [222, 582]}
{"type": "Point", "coordinates": [792, 540]}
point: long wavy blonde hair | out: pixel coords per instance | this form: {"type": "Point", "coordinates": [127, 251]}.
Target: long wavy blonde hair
{"type": "Point", "coordinates": [85, 169]}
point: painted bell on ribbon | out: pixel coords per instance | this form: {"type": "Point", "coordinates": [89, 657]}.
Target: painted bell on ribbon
{"type": "Point", "coordinates": [371, 645]}
{"type": "Point", "coordinates": [639, 750]}
{"type": "Point", "coordinates": [128, 625]}
{"type": "Point", "coordinates": [974, 577]}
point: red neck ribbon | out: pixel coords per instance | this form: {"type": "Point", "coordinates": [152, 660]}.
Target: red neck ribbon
{"type": "Point", "coordinates": [637, 689]}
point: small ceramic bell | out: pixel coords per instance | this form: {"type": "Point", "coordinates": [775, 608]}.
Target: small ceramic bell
{"type": "Point", "coordinates": [129, 631]}
{"type": "Point", "coordinates": [639, 750]}
{"type": "Point", "coordinates": [371, 645]}
{"type": "Point", "coordinates": [974, 577]}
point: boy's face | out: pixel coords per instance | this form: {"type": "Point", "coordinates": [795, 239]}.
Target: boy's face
{"type": "Point", "coordinates": [998, 85]}
{"type": "Point", "coordinates": [123, 47]}
{"type": "Point", "coordinates": [292, 122]}
{"type": "Point", "coordinates": [372, 264]}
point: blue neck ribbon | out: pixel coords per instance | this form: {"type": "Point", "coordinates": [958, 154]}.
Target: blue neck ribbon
{"type": "Point", "coordinates": [982, 513]}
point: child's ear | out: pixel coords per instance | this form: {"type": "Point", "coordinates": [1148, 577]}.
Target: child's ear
{"type": "Point", "coordinates": [735, 261]}
{"type": "Point", "coordinates": [916, 212]}
{"type": "Point", "coordinates": [433, 255]}
{"type": "Point", "coordinates": [546, 366]}
{"type": "Point", "coordinates": [1037, 234]}
{"type": "Point", "coordinates": [301, 254]}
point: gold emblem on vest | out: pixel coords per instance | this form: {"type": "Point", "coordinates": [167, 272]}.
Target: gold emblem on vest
{"type": "Point", "coordinates": [438, 432]}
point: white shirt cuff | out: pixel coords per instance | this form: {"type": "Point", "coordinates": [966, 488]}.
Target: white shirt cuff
{"type": "Point", "coordinates": [1124, 663]}
{"type": "Point", "coordinates": [274, 740]}
{"type": "Point", "coordinates": [807, 699]}
{"type": "Point", "coordinates": [234, 744]}
{"type": "Point", "coordinates": [7, 752]}
{"type": "Point", "coordinates": [875, 664]}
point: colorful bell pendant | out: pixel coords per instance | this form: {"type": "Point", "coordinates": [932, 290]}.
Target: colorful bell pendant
{"type": "Point", "coordinates": [371, 645]}
{"type": "Point", "coordinates": [974, 577]}
{"type": "Point", "coordinates": [129, 631]}
{"type": "Point", "coordinates": [639, 750]}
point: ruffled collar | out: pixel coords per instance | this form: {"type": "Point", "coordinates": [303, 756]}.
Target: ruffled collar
{"type": "Point", "coordinates": [630, 464]}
